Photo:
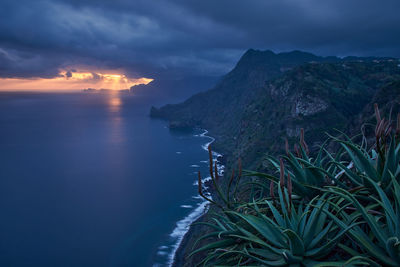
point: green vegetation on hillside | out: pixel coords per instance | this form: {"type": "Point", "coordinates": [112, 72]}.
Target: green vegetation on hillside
{"type": "Point", "coordinates": [268, 97]}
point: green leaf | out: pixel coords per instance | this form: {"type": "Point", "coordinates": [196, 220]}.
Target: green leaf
{"type": "Point", "coordinates": [361, 161]}
{"type": "Point", "coordinates": [267, 230]}
{"type": "Point", "coordinates": [218, 244]}
{"type": "Point", "coordinates": [296, 244]}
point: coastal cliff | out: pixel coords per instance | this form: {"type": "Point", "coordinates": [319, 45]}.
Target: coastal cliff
{"type": "Point", "coordinates": [269, 97]}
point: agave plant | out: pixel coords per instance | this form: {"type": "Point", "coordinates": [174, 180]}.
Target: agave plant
{"type": "Point", "coordinates": [378, 167]}
{"type": "Point", "coordinates": [276, 233]}
{"type": "Point", "coordinates": [350, 165]}
{"type": "Point", "coordinates": [309, 174]}
{"type": "Point", "coordinates": [382, 218]}
{"type": "Point", "coordinates": [379, 164]}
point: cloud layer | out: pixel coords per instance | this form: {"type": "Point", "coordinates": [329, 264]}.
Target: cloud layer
{"type": "Point", "coordinates": [179, 37]}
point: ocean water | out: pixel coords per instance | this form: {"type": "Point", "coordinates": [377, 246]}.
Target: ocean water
{"type": "Point", "coordinates": [92, 180]}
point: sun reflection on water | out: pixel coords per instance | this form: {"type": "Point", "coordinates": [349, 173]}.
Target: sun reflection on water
{"type": "Point", "coordinates": [114, 104]}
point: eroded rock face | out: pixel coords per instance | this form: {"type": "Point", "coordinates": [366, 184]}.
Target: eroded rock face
{"type": "Point", "coordinates": [280, 91]}
{"type": "Point", "coordinates": [308, 105]}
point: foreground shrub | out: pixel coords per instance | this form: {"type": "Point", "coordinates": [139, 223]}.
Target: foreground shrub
{"type": "Point", "coordinates": [337, 209]}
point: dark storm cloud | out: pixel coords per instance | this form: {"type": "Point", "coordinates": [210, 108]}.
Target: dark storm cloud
{"type": "Point", "coordinates": [176, 37]}
{"type": "Point", "coordinates": [68, 74]}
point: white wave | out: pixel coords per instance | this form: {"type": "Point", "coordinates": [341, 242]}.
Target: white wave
{"type": "Point", "coordinates": [182, 226]}
{"type": "Point", "coordinates": [204, 133]}
{"type": "Point", "coordinates": [178, 152]}
{"type": "Point", "coordinates": [208, 178]}
{"type": "Point", "coordinates": [194, 166]}
{"type": "Point", "coordinates": [205, 146]}
{"type": "Point", "coordinates": [187, 206]}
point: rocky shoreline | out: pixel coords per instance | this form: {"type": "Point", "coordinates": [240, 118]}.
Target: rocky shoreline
{"type": "Point", "coordinates": [185, 248]}
{"type": "Point", "coordinates": [196, 230]}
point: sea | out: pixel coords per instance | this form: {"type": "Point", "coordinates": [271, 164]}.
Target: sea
{"type": "Point", "coordinates": [89, 179]}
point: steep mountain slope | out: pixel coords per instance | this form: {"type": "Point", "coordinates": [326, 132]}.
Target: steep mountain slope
{"type": "Point", "coordinates": [316, 97]}
{"type": "Point", "coordinates": [238, 87]}
{"type": "Point", "coordinates": [268, 97]}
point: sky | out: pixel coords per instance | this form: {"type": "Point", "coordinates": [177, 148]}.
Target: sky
{"type": "Point", "coordinates": [82, 43]}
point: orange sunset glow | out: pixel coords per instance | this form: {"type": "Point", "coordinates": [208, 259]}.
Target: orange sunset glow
{"type": "Point", "coordinates": [76, 80]}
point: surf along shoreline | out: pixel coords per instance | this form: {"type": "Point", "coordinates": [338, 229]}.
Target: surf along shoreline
{"type": "Point", "coordinates": [184, 230]}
